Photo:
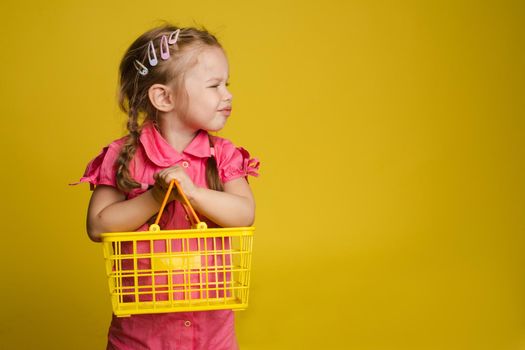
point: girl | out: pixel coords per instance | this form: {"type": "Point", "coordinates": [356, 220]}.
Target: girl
{"type": "Point", "coordinates": [173, 87]}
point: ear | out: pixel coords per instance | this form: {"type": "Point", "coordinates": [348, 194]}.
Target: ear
{"type": "Point", "coordinates": [161, 97]}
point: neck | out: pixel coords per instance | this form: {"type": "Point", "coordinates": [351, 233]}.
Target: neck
{"type": "Point", "coordinates": [177, 135]}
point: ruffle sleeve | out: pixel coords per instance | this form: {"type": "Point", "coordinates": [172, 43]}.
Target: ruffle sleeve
{"type": "Point", "coordinates": [235, 162]}
{"type": "Point", "coordinates": [101, 170]}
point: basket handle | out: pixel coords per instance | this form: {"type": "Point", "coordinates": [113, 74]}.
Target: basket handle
{"type": "Point", "coordinates": [186, 205]}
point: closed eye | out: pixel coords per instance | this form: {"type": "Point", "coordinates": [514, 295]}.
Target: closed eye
{"type": "Point", "coordinates": [216, 86]}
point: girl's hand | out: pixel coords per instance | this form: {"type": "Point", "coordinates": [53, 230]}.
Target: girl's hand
{"type": "Point", "coordinates": [163, 179]}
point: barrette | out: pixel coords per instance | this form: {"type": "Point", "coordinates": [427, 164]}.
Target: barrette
{"type": "Point", "coordinates": [140, 67]}
{"type": "Point", "coordinates": [164, 49]}
{"type": "Point", "coordinates": [152, 56]}
{"type": "Point", "coordinates": [174, 36]}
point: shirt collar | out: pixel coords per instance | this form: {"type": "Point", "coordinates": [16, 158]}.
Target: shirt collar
{"type": "Point", "coordinates": [160, 152]}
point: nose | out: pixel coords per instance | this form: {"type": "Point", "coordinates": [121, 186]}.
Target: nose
{"type": "Point", "coordinates": [227, 95]}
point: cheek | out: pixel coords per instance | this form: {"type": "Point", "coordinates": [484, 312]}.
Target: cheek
{"type": "Point", "coordinates": [209, 98]}
{"type": "Point", "coordinates": [195, 101]}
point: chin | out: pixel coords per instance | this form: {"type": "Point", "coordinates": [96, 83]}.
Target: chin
{"type": "Point", "coordinates": [215, 128]}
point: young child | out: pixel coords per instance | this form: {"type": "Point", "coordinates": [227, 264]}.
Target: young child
{"type": "Point", "coordinates": [173, 87]}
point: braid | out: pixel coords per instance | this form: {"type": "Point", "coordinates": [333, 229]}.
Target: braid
{"type": "Point", "coordinates": [124, 180]}
{"type": "Point", "coordinates": [212, 174]}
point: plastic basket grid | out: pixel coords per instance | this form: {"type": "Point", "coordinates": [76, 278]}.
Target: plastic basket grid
{"type": "Point", "coordinates": [183, 270]}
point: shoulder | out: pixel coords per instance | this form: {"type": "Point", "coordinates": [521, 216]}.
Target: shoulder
{"type": "Point", "coordinates": [116, 145]}
{"type": "Point", "coordinates": [224, 150]}
{"type": "Point", "coordinates": [233, 161]}
{"type": "Point", "coordinates": [101, 169]}
{"type": "Point", "coordinates": [220, 144]}
{"type": "Point", "coordinates": [110, 152]}
{"type": "Point", "coordinates": [220, 141]}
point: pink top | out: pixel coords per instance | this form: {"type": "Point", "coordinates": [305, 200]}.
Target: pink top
{"type": "Point", "coordinates": [184, 330]}
{"type": "Point", "coordinates": [155, 154]}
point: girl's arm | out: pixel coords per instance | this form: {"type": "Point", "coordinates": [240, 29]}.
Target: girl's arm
{"type": "Point", "coordinates": [234, 207]}
{"type": "Point", "coordinates": [108, 211]}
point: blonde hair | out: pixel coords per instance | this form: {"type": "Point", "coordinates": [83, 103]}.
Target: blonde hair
{"type": "Point", "coordinates": [133, 90]}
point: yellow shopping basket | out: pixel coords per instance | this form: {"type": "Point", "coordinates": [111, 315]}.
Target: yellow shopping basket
{"type": "Point", "coordinates": [178, 270]}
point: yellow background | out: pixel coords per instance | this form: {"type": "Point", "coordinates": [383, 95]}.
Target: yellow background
{"type": "Point", "coordinates": [391, 196]}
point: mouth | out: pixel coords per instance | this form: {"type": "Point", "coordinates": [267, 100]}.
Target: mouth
{"type": "Point", "coordinates": [226, 111]}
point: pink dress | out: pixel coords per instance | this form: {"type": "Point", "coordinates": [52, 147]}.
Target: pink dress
{"type": "Point", "coordinates": [181, 330]}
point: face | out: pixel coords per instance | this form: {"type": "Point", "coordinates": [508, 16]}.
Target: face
{"type": "Point", "coordinates": [209, 101]}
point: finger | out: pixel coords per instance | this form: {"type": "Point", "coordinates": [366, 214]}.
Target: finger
{"type": "Point", "coordinates": [161, 176]}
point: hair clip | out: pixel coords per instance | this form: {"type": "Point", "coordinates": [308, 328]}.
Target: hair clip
{"type": "Point", "coordinates": [140, 67]}
{"type": "Point", "coordinates": [172, 40]}
{"type": "Point", "coordinates": [164, 49]}
{"type": "Point", "coordinates": [151, 52]}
